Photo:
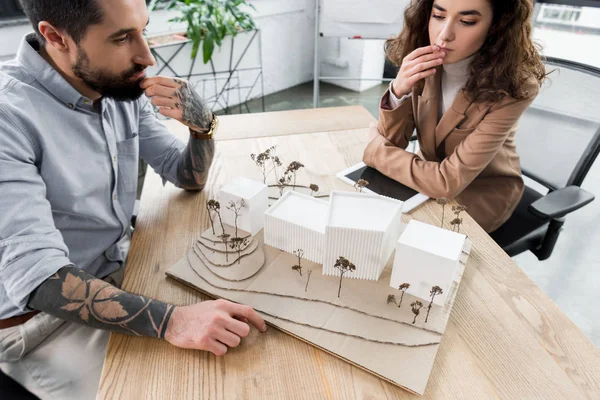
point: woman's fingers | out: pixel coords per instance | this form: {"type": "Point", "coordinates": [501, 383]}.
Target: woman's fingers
{"type": "Point", "coordinates": [425, 66]}
{"type": "Point", "coordinates": [421, 51]}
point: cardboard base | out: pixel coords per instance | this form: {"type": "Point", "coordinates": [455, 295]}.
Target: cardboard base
{"type": "Point", "coordinates": [353, 327]}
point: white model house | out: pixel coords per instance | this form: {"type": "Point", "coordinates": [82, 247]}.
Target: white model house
{"type": "Point", "coordinates": [363, 228]}
{"type": "Point", "coordinates": [427, 256]}
{"type": "Point", "coordinates": [297, 221]}
{"type": "Point", "coordinates": [256, 198]}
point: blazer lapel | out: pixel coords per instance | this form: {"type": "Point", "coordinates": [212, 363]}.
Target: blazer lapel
{"type": "Point", "coordinates": [451, 118]}
{"type": "Point", "coordinates": [427, 114]}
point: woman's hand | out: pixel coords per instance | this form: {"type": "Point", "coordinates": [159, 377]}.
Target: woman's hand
{"type": "Point", "coordinates": [418, 65]}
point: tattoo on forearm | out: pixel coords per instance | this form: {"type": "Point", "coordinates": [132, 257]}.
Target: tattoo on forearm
{"type": "Point", "coordinates": [192, 171]}
{"type": "Point", "coordinates": [195, 112]}
{"type": "Point", "coordinates": [76, 296]}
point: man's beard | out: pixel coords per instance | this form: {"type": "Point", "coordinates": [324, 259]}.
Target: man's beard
{"type": "Point", "coordinates": [119, 87]}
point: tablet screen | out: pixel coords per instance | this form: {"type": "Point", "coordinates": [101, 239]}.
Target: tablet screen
{"type": "Point", "coordinates": [381, 184]}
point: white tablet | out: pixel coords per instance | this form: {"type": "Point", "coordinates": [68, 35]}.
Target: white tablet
{"type": "Point", "coordinates": [382, 185]}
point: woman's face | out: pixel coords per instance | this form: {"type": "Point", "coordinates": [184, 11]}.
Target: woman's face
{"type": "Point", "coordinates": [460, 27]}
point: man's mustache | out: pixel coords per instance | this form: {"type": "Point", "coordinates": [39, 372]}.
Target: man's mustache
{"type": "Point", "coordinates": [137, 68]}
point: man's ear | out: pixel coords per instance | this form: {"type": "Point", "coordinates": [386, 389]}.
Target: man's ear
{"type": "Point", "coordinates": [54, 37]}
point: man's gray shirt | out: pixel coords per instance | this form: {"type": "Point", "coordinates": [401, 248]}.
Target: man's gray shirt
{"type": "Point", "coordinates": [68, 175]}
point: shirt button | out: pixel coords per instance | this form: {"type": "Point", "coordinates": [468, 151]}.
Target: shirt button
{"type": "Point", "coordinates": [70, 105]}
{"type": "Point", "coordinates": [114, 197]}
{"type": "Point", "coordinates": [115, 158]}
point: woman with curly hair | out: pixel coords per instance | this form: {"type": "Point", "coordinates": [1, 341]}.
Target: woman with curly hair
{"type": "Point", "coordinates": [468, 70]}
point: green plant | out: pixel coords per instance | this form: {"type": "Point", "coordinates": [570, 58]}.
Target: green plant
{"type": "Point", "coordinates": [210, 21]}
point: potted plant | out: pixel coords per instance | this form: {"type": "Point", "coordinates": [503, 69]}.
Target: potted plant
{"type": "Point", "coordinates": [210, 21]}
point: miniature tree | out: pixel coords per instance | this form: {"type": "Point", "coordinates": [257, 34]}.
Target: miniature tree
{"type": "Point", "coordinates": [237, 244]}
{"type": "Point", "coordinates": [298, 267]}
{"type": "Point", "coordinates": [435, 290]}
{"type": "Point", "coordinates": [443, 201]}
{"type": "Point", "coordinates": [291, 170]}
{"type": "Point", "coordinates": [313, 189]}
{"type": "Point", "coordinates": [225, 238]}
{"type": "Point", "coordinates": [236, 208]}
{"type": "Point", "coordinates": [298, 253]}
{"type": "Point", "coordinates": [344, 266]}
{"type": "Point", "coordinates": [416, 309]}
{"type": "Point", "coordinates": [261, 160]}
{"type": "Point", "coordinates": [210, 210]}
{"type": "Point", "coordinates": [281, 183]}
{"type": "Point", "coordinates": [456, 222]}
{"type": "Point", "coordinates": [360, 185]}
{"type": "Point", "coordinates": [404, 287]}
{"type": "Point", "coordinates": [275, 163]}
{"type": "Point", "coordinates": [214, 205]}
{"type": "Point", "coordinates": [392, 298]}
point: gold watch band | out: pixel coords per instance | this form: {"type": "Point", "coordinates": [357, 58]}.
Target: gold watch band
{"type": "Point", "coordinates": [209, 133]}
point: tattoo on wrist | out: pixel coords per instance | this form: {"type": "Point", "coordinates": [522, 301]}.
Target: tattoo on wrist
{"type": "Point", "coordinates": [195, 112]}
{"type": "Point", "coordinates": [194, 164]}
{"type": "Point", "coordinates": [76, 296]}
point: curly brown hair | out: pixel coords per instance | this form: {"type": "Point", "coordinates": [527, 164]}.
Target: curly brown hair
{"type": "Point", "coordinates": [506, 61]}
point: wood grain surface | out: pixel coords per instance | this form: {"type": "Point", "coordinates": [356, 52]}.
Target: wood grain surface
{"type": "Point", "coordinates": [505, 338]}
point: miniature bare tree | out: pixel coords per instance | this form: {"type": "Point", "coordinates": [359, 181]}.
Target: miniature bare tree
{"type": "Point", "coordinates": [291, 170]}
{"type": "Point", "coordinates": [236, 208]}
{"type": "Point", "coordinates": [344, 266]}
{"type": "Point", "coordinates": [225, 238]}
{"type": "Point", "coordinates": [360, 185]}
{"type": "Point", "coordinates": [392, 298]}
{"type": "Point", "coordinates": [435, 290]}
{"type": "Point", "coordinates": [261, 160]}
{"type": "Point", "coordinates": [298, 267]}
{"type": "Point", "coordinates": [416, 309]}
{"type": "Point", "coordinates": [215, 206]}
{"type": "Point", "coordinates": [313, 189]}
{"type": "Point", "coordinates": [443, 201]}
{"type": "Point", "coordinates": [237, 244]}
{"type": "Point", "coordinates": [275, 163]}
{"type": "Point", "coordinates": [210, 210]}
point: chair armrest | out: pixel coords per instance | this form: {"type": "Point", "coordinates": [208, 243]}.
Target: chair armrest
{"type": "Point", "coordinates": [560, 202]}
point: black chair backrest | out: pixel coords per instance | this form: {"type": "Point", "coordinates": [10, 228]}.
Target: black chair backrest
{"type": "Point", "coordinates": [558, 137]}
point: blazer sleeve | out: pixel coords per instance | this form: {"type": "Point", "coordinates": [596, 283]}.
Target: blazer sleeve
{"type": "Point", "coordinates": [451, 176]}
{"type": "Point", "coordinates": [396, 125]}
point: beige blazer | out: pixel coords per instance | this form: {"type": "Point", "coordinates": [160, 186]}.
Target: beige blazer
{"type": "Point", "coordinates": [470, 155]}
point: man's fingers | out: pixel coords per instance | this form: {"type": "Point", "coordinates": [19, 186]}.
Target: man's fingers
{"type": "Point", "coordinates": [160, 101]}
{"type": "Point", "coordinates": [227, 338]}
{"type": "Point", "coordinates": [216, 347]}
{"type": "Point", "coordinates": [238, 327]}
{"type": "Point", "coordinates": [159, 80]}
{"type": "Point", "coordinates": [174, 113]}
{"type": "Point", "coordinates": [249, 313]}
{"type": "Point", "coordinates": [160, 90]}
{"type": "Point", "coordinates": [421, 51]}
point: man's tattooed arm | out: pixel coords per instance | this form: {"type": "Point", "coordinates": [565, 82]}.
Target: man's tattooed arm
{"type": "Point", "coordinates": [192, 171]}
{"type": "Point", "coordinates": [74, 295]}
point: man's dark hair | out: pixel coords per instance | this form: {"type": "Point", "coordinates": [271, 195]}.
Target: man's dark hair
{"type": "Point", "coordinates": [72, 16]}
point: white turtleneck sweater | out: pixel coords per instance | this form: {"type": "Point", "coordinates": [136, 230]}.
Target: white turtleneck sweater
{"type": "Point", "coordinates": [454, 78]}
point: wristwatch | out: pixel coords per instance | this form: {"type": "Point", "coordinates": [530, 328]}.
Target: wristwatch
{"type": "Point", "coordinates": [208, 133]}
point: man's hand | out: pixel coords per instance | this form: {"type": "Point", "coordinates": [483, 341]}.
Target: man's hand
{"type": "Point", "coordinates": [177, 99]}
{"type": "Point", "coordinates": [212, 325]}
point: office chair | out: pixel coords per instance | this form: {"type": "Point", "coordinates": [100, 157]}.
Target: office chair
{"type": "Point", "coordinates": [558, 140]}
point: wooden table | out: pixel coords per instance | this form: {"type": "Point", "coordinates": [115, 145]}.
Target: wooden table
{"type": "Point", "coordinates": [505, 338]}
